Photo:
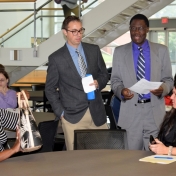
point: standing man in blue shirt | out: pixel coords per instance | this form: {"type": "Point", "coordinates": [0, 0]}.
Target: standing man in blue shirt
{"type": "Point", "coordinates": [70, 103]}
{"type": "Point", "coordinates": [141, 115]}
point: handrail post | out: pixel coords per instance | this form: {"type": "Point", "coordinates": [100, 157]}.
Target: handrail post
{"type": "Point", "coordinates": [35, 40]}
{"type": "Point", "coordinates": [41, 19]}
{"type": "Point", "coordinates": [2, 42]}
{"type": "Point", "coordinates": [79, 9]}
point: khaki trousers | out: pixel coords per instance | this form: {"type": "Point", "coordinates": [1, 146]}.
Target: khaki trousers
{"type": "Point", "coordinates": [85, 123]}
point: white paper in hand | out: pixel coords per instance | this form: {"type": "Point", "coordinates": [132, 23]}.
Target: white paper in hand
{"type": "Point", "coordinates": [143, 86]}
{"type": "Point", "coordinates": [86, 81]}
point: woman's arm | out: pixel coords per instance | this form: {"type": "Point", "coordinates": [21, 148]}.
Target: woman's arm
{"type": "Point", "coordinates": [161, 149]}
{"type": "Point", "coordinates": [16, 148]}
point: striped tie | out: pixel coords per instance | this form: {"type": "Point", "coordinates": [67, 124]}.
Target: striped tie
{"type": "Point", "coordinates": [140, 67]}
{"type": "Point", "coordinates": [81, 64]}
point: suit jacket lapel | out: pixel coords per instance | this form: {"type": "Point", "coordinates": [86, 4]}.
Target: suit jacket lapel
{"type": "Point", "coordinates": [130, 63]}
{"type": "Point", "coordinates": [69, 60]}
{"type": "Point", "coordinates": [153, 62]}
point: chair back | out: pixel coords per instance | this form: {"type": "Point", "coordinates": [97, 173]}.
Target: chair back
{"type": "Point", "coordinates": [100, 139]}
{"type": "Point", "coordinates": [47, 131]}
{"type": "Point", "coordinates": [17, 89]}
{"type": "Point", "coordinates": [115, 105]}
{"type": "Point", "coordinates": [106, 97]}
{"type": "Point", "coordinates": [110, 115]}
{"type": "Point", "coordinates": [38, 87]}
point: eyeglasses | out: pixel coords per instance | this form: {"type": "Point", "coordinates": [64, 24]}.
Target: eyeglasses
{"type": "Point", "coordinates": [140, 29]}
{"type": "Point", "coordinates": [75, 32]}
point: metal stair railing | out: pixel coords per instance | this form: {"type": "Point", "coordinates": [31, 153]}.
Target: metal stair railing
{"type": "Point", "coordinates": [24, 20]}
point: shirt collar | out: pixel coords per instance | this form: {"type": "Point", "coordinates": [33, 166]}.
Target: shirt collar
{"type": "Point", "coordinates": [71, 48]}
{"type": "Point", "coordinates": [144, 46]}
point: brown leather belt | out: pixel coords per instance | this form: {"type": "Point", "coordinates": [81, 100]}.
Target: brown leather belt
{"type": "Point", "coordinates": [144, 101]}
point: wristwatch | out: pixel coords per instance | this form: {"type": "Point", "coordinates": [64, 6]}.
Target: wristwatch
{"type": "Point", "coordinates": [170, 150]}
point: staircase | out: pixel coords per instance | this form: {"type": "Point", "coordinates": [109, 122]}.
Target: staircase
{"type": "Point", "coordinates": [103, 24]}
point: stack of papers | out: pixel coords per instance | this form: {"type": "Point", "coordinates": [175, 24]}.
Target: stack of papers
{"type": "Point", "coordinates": [143, 86]}
{"type": "Point", "coordinates": [86, 81]}
{"type": "Point", "coordinates": [160, 159]}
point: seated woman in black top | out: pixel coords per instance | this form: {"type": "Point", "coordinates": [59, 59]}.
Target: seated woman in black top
{"type": "Point", "coordinates": [166, 142]}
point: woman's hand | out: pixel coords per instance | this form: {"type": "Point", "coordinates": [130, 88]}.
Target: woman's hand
{"type": "Point", "coordinates": [159, 148]}
{"type": "Point", "coordinates": [16, 146]}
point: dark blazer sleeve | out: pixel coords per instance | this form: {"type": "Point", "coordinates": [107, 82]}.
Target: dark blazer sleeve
{"type": "Point", "coordinates": [103, 75]}
{"type": "Point", "coordinates": [51, 86]}
{"type": "Point", "coordinates": [96, 64]}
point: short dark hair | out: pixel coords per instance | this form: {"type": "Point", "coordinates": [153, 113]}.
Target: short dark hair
{"type": "Point", "coordinates": [68, 20]}
{"type": "Point", "coordinates": [140, 17]}
{"type": "Point", "coordinates": [2, 67]}
{"type": "Point", "coordinates": [6, 75]}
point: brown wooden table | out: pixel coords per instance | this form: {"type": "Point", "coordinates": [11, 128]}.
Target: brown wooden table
{"type": "Point", "coordinates": [85, 163]}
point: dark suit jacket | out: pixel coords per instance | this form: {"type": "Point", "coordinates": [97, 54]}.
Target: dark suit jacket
{"type": "Point", "coordinates": [71, 98]}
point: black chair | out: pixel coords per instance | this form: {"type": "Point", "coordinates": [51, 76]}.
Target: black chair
{"type": "Point", "coordinates": [59, 142]}
{"type": "Point", "coordinates": [38, 87]}
{"type": "Point", "coordinates": [100, 139]}
{"type": "Point", "coordinates": [48, 130]}
{"type": "Point", "coordinates": [110, 115]}
{"type": "Point", "coordinates": [106, 96]}
{"type": "Point", "coordinates": [115, 106]}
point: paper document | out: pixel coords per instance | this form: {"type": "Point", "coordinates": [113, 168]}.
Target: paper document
{"type": "Point", "coordinates": [160, 159]}
{"type": "Point", "coordinates": [85, 82]}
{"type": "Point", "coordinates": [143, 86]}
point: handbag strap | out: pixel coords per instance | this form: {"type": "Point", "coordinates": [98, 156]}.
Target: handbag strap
{"type": "Point", "coordinates": [22, 103]}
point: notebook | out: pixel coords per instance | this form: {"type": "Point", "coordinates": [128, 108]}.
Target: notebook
{"type": "Point", "coordinates": [160, 159]}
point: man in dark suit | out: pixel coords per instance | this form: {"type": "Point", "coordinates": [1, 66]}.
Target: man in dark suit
{"type": "Point", "coordinates": [70, 103]}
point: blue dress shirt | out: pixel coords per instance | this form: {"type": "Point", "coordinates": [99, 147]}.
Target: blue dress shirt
{"type": "Point", "coordinates": [74, 55]}
{"type": "Point", "coordinates": [146, 53]}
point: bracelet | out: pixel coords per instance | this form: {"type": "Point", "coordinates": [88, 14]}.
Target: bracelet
{"type": "Point", "coordinates": [170, 150]}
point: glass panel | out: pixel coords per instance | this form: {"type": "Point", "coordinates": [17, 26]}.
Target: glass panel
{"type": "Point", "coordinates": [108, 51]}
{"type": "Point", "coordinates": [48, 22]}
{"type": "Point", "coordinates": [161, 38]}
{"type": "Point", "coordinates": [172, 50]}
{"type": "Point", "coordinates": [168, 11]}
{"type": "Point", "coordinates": [20, 20]}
